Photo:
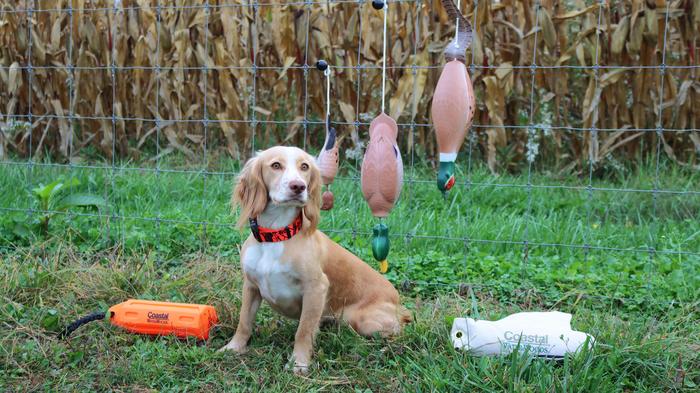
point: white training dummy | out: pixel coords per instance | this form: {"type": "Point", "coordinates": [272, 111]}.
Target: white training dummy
{"type": "Point", "coordinates": [545, 334]}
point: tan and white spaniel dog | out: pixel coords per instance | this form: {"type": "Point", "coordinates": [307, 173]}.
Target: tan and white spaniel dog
{"type": "Point", "coordinates": [297, 269]}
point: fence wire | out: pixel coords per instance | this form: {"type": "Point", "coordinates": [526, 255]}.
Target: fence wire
{"type": "Point", "coordinates": [113, 221]}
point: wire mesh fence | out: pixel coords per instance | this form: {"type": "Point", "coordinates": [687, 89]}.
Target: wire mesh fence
{"type": "Point", "coordinates": [193, 80]}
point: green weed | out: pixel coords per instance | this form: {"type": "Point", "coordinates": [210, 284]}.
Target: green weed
{"type": "Point", "coordinates": [632, 280]}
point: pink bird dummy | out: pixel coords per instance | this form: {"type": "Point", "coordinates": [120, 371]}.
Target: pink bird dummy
{"type": "Point", "coordinates": [382, 169]}
{"type": "Point", "coordinates": [328, 158]}
{"type": "Point", "coordinates": [382, 178]}
{"type": "Point", "coordinates": [328, 164]}
{"type": "Point", "coordinates": [453, 101]}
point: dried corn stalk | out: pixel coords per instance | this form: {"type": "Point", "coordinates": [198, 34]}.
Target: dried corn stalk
{"type": "Point", "coordinates": [172, 61]}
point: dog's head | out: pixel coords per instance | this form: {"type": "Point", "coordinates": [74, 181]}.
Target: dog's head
{"type": "Point", "coordinates": [284, 176]}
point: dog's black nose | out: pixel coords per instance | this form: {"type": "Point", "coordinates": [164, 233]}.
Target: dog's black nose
{"type": "Point", "coordinates": [297, 186]}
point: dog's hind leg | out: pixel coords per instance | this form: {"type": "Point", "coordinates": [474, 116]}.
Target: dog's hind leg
{"type": "Point", "coordinates": [377, 319]}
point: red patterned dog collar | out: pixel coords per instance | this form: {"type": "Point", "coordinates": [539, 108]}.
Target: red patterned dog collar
{"type": "Point", "coordinates": [267, 235]}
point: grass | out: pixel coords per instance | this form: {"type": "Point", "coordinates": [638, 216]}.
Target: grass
{"type": "Point", "coordinates": [463, 256]}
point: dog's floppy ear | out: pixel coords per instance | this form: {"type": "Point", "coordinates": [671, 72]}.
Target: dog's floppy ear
{"type": "Point", "coordinates": [312, 209]}
{"type": "Point", "coordinates": [250, 192]}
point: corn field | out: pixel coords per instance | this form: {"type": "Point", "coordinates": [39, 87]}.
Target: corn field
{"type": "Point", "coordinates": [586, 80]}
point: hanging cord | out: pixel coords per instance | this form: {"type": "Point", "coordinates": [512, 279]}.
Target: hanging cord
{"type": "Point", "coordinates": [457, 26]}
{"type": "Point", "coordinates": [323, 66]}
{"type": "Point", "coordinates": [386, 8]}
{"type": "Point", "coordinates": [327, 73]}
{"type": "Point", "coordinates": [96, 316]}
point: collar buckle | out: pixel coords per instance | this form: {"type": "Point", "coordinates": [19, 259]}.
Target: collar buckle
{"type": "Point", "coordinates": [255, 229]}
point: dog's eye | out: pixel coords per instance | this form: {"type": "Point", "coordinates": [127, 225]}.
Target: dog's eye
{"type": "Point", "coordinates": [276, 165]}
{"type": "Point", "coordinates": [304, 167]}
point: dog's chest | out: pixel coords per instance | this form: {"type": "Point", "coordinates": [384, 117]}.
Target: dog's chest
{"type": "Point", "coordinates": [276, 279]}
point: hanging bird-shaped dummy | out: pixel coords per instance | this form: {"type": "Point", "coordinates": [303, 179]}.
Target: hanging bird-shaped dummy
{"type": "Point", "coordinates": [453, 100]}
{"type": "Point", "coordinates": [382, 169]}
{"type": "Point", "coordinates": [328, 158]}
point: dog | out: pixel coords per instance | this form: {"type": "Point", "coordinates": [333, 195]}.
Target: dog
{"type": "Point", "coordinates": [296, 268]}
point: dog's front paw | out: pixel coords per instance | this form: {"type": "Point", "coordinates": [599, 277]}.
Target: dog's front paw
{"type": "Point", "coordinates": [235, 346]}
{"type": "Point", "coordinates": [299, 366]}
{"type": "Point", "coordinates": [301, 369]}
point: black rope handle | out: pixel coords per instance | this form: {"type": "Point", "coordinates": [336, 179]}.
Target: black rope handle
{"type": "Point", "coordinates": [96, 316]}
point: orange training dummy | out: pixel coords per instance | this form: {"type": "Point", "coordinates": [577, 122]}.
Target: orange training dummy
{"type": "Point", "coordinates": [155, 318]}
{"type": "Point", "coordinates": [163, 318]}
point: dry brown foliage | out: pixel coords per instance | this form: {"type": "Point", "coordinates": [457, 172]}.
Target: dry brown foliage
{"type": "Point", "coordinates": [629, 93]}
